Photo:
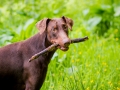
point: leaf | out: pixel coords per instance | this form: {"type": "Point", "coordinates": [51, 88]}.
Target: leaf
{"type": "Point", "coordinates": [71, 70]}
{"type": "Point", "coordinates": [5, 38]}
{"type": "Point", "coordinates": [106, 7]}
{"type": "Point", "coordinates": [62, 59]}
{"type": "Point", "coordinates": [86, 11]}
{"type": "Point", "coordinates": [54, 56]}
{"type": "Point", "coordinates": [56, 11]}
{"type": "Point", "coordinates": [92, 22]}
{"type": "Point", "coordinates": [28, 23]}
{"type": "Point", "coordinates": [29, 27]}
{"type": "Point", "coordinates": [19, 29]}
{"type": "Point", "coordinates": [117, 11]}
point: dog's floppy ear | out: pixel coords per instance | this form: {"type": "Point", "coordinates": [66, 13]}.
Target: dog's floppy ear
{"type": "Point", "coordinates": [68, 21]}
{"type": "Point", "coordinates": [42, 25]}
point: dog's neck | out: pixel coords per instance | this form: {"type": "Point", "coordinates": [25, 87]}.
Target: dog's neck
{"type": "Point", "coordinates": [39, 43]}
{"type": "Point", "coordinates": [47, 42]}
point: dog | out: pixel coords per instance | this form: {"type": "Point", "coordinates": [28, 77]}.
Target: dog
{"type": "Point", "coordinates": [16, 73]}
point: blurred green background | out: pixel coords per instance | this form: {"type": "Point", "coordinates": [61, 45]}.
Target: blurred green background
{"type": "Point", "coordinates": [91, 65]}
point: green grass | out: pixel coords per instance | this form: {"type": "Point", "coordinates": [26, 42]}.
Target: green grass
{"type": "Point", "coordinates": [90, 65]}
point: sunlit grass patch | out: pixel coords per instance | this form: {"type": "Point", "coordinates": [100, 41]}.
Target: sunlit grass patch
{"type": "Point", "coordinates": [87, 66]}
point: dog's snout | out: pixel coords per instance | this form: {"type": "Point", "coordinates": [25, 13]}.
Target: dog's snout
{"type": "Point", "coordinates": [66, 42]}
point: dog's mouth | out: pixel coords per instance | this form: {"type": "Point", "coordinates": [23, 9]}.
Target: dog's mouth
{"type": "Point", "coordinates": [63, 48]}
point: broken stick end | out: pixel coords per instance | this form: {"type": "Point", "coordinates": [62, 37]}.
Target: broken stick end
{"type": "Point", "coordinates": [86, 38]}
{"type": "Point", "coordinates": [30, 60]}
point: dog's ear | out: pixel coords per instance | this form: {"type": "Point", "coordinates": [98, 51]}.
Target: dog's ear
{"type": "Point", "coordinates": [42, 25]}
{"type": "Point", "coordinates": [68, 21]}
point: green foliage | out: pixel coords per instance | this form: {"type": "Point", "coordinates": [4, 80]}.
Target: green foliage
{"type": "Point", "coordinates": [103, 18]}
{"type": "Point", "coordinates": [92, 65]}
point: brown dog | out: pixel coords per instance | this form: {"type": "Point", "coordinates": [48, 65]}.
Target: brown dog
{"type": "Point", "coordinates": [16, 73]}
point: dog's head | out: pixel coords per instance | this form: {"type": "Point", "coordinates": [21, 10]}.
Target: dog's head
{"type": "Point", "coordinates": [56, 31]}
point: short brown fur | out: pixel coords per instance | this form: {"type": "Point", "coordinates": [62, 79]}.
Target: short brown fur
{"type": "Point", "coordinates": [16, 73]}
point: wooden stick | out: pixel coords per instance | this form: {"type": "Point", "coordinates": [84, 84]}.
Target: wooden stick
{"type": "Point", "coordinates": [54, 46]}
{"type": "Point", "coordinates": [48, 49]}
{"type": "Point", "coordinates": [77, 40]}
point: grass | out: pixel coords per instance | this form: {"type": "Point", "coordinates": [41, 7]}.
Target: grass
{"type": "Point", "coordinates": [90, 65]}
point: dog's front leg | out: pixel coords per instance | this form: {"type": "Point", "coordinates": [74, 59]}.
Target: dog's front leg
{"type": "Point", "coordinates": [32, 84]}
{"type": "Point", "coordinates": [35, 78]}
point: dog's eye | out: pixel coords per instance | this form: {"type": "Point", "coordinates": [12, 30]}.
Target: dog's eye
{"type": "Point", "coordinates": [65, 26]}
{"type": "Point", "coordinates": [54, 30]}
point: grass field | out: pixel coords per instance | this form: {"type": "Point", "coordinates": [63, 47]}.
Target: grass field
{"type": "Point", "coordinates": [90, 65]}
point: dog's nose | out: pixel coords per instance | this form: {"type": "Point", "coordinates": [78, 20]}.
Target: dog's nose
{"type": "Point", "coordinates": [66, 42]}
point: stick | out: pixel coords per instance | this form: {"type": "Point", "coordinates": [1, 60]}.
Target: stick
{"type": "Point", "coordinates": [79, 40]}
{"type": "Point", "coordinates": [54, 46]}
{"type": "Point", "coordinates": [48, 49]}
